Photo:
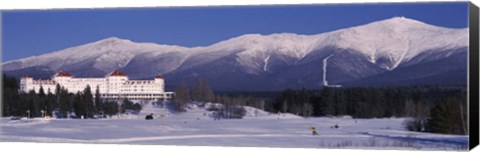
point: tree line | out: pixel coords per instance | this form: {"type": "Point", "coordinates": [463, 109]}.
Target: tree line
{"type": "Point", "coordinates": [436, 109]}
{"type": "Point", "coordinates": [61, 103]}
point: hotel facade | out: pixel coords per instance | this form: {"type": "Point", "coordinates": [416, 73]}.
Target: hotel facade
{"type": "Point", "coordinates": [115, 86]}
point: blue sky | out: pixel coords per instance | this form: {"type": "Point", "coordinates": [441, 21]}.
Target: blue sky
{"type": "Point", "coordinates": [28, 33]}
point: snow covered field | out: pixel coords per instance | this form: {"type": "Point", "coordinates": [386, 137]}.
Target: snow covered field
{"type": "Point", "coordinates": [197, 128]}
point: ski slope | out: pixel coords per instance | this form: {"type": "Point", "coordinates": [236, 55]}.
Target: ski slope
{"type": "Point", "coordinates": [257, 129]}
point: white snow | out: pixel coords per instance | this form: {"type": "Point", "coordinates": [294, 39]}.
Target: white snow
{"type": "Point", "coordinates": [265, 64]}
{"type": "Point", "coordinates": [399, 39]}
{"type": "Point", "coordinates": [325, 61]}
{"type": "Point", "coordinates": [257, 129]}
{"type": "Point", "coordinates": [108, 55]}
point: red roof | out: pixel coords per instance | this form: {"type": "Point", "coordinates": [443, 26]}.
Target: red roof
{"type": "Point", "coordinates": [27, 76]}
{"type": "Point", "coordinates": [118, 73]}
{"type": "Point", "coordinates": [158, 77]}
{"type": "Point", "coordinates": [63, 74]}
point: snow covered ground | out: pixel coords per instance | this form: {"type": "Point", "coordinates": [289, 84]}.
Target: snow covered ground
{"type": "Point", "coordinates": [257, 129]}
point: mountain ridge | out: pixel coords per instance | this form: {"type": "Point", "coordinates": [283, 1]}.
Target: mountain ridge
{"type": "Point", "coordinates": [356, 53]}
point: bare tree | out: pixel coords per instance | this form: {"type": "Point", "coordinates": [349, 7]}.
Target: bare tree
{"type": "Point", "coordinates": [201, 91]}
{"type": "Point", "coordinates": [420, 113]}
{"type": "Point", "coordinates": [181, 98]}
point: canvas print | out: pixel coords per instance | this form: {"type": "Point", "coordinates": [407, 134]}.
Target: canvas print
{"type": "Point", "coordinates": [379, 75]}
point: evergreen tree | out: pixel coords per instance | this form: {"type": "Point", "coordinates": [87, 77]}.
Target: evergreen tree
{"type": "Point", "coordinates": [57, 90]}
{"type": "Point", "coordinates": [42, 103]}
{"type": "Point", "coordinates": [110, 108]}
{"type": "Point", "coordinates": [49, 104]}
{"type": "Point", "coordinates": [10, 102]}
{"type": "Point", "coordinates": [89, 105]}
{"type": "Point", "coordinates": [448, 118]}
{"type": "Point", "coordinates": [63, 102]}
{"type": "Point", "coordinates": [328, 100]}
{"type": "Point", "coordinates": [79, 106]}
{"type": "Point", "coordinates": [137, 107]}
{"type": "Point", "coordinates": [98, 101]}
{"type": "Point", "coordinates": [129, 105]}
{"type": "Point", "coordinates": [35, 104]}
{"type": "Point", "coordinates": [41, 93]}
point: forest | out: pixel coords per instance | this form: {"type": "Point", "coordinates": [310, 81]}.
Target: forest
{"type": "Point", "coordinates": [438, 109]}
{"type": "Point", "coordinates": [431, 108]}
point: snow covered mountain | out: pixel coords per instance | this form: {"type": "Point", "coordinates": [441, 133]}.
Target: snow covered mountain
{"type": "Point", "coordinates": [392, 50]}
{"type": "Point", "coordinates": [97, 58]}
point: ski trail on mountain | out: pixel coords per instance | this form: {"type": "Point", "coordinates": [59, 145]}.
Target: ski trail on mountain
{"type": "Point", "coordinates": [325, 82]}
{"type": "Point", "coordinates": [266, 63]}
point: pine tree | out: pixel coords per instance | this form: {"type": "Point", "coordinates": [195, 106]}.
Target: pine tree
{"type": "Point", "coordinates": [328, 100]}
{"type": "Point", "coordinates": [447, 118]}
{"type": "Point", "coordinates": [98, 101]}
{"type": "Point", "coordinates": [110, 108]}
{"type": "Point", "coordinates": [42, 103]}
{"type": "Point", "coordinates": [129, 105]}
{"type": "Point", "coordinates": [41, 93]}
{"type": "Point", "coordinates": [79, 105]}
{"type": "Point", "coordinates": [57, 90]}
{"type": "Point", "coordinates": [49, 104]}
{"type": "Point", "coordinates": [11, 97]}
{"type": "Point", "coordinates": [63, 101]}
{"type": "Point", "coordinates": [89, 105]}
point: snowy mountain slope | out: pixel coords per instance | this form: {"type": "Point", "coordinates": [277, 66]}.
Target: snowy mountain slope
{"type": "Point", "coordinates": [265, 62]}
{"type": "Point", "coordinates": [451, 70]}
{"type": "Point", "coordinates": [105, 55]}
{"type": "Point", "coordinates": [396, 40]}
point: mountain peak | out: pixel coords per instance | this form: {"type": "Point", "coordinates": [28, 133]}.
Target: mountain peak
{"type": "Point", "coordinates": [401, 22]}
{"type": "Point", "coordinates": [112, 41]}
{"type": "Point", "coordinates": [401, 19]}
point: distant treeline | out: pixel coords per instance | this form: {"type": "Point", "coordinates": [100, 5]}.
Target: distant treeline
{"type": "Point", "coordinates": [364, 102]}
{"type": "Point", "coordinates": [440, 109]}
{"type": "Point", "coordinates": [61, 104]}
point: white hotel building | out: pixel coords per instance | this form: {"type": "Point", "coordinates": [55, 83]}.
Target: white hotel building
{"type": "Point", "coordinates": [115, 85]}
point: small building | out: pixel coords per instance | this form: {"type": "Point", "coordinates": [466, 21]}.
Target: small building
{"type": "Point", "coordinates": [114, 85]}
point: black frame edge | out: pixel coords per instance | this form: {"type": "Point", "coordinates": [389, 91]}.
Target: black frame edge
{"type": "Point", "coordinates": [473, 75]}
